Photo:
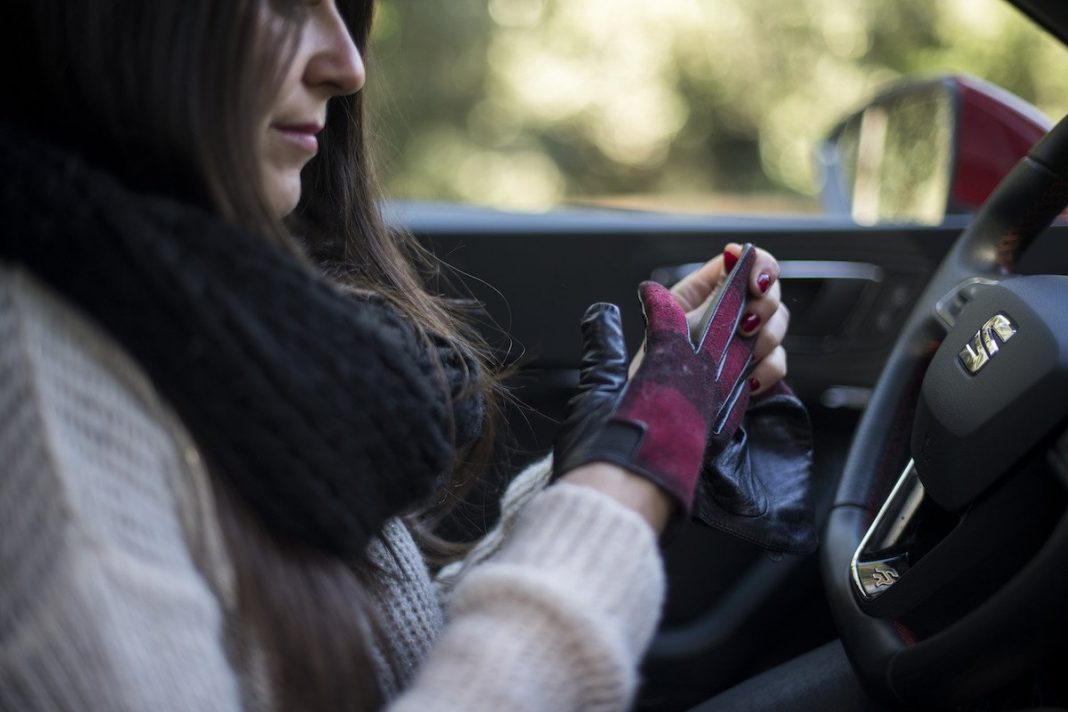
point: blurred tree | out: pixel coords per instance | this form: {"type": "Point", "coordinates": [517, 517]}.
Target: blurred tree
{"type": "Point", "coordinates": [528, 103]}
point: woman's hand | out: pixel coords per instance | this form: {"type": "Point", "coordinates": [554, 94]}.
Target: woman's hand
{"type": "Point", "coordinates": [604, 376]}
{"type": "Point", "coordinates": [765, 312]}
{"type": "Point", "coordinates": [687, 398]}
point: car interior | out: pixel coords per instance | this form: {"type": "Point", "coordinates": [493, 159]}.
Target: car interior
{"type": "Point", "coordinates": [929, 342]}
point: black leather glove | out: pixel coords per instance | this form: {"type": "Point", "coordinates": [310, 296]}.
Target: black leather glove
{"type": "Point", "coordinates": [601, 383]}
{"type": "Point", "coordinates": [759, 486]}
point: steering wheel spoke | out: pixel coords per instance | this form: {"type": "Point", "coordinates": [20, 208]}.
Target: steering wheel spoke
{"type": "Point", "coordinates": [883, 556]}
{"type": "Point", "coordinates": [949, 307]}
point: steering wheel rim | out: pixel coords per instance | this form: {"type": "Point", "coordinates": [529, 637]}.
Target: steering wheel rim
{"type": "Point", "coordinates": [886, 656]}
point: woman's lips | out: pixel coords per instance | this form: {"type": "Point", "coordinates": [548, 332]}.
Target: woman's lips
{"type": "Point", "coordinates": [302, 136]}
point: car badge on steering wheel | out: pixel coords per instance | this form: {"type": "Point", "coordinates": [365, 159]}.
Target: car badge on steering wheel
{"type": "Point", "coordinates": [983, 346]}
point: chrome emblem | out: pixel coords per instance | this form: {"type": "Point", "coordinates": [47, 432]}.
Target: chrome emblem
{"type": "Point", "coordinates": [984, 345]}
{"type": "Point", "coordinates": [884, 577]}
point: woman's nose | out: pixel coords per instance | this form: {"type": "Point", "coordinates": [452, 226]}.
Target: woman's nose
{"type": "Point", "coordinates": [335, 62]}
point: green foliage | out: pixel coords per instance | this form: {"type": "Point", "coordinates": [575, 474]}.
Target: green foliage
{"type": "Point", "coordinates": [528, 103]}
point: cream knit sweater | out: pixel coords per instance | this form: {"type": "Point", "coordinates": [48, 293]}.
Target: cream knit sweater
{"type": "Point", "coordinates": [115, 586]}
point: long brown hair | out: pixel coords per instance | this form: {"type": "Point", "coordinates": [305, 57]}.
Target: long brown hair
{"type": "Point", "coordinates": [341, 227]}
{"type": "Point", "coordinates": [163, 93]}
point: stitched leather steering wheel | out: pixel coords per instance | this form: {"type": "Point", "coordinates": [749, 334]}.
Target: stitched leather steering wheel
{"type": "Point", "coordinates": [930, 403]}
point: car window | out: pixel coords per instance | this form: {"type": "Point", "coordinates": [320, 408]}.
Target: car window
{"type": "Point", "coordinates": [680, 105]}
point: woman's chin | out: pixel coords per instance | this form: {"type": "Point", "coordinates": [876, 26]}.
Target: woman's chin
{"type": "Point", "coordinates": [283, 193]}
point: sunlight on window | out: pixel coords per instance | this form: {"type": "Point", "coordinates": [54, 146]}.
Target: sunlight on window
{"type": "Point", "coordinates": [517, 13]}
{"type": "Point", "coordinates": [525, 180]}
{"type": "Point", "coordinates": [530, 103]}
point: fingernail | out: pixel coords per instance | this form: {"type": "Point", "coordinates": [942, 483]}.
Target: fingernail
{"type": "Point", "coordinates": [754, 384]}
{"type": "Point", "coordinates": [764, 282]}
{"type": "Point", "coordinates": [729, 260]}
{"type": "Point", "coordinates": [750, 322]}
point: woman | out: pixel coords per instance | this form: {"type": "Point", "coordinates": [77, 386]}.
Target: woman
{"type": "Point", "coordinates": [206, 445]}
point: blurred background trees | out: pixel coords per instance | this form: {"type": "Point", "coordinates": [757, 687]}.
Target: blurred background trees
{"type": "Point", "coordinates": [677, 104]}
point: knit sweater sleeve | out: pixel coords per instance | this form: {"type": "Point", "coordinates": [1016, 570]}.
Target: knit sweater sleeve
{"type": "Point", "coordinates": [556, 619]}
{"type": "Point", "coordinates": [105, 604]}
{"type": "Point", "coordinates": [101, 602]}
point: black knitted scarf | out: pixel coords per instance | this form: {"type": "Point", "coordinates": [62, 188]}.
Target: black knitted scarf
{"type": "Point", "coordinates": [327, 414]}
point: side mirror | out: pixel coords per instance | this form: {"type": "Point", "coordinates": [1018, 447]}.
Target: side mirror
{"type": "Point", "coordinates": [923, 150]}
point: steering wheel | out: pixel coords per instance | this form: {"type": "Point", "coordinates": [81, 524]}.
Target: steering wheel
{"type": "Point", "coordinates": [937, 594]}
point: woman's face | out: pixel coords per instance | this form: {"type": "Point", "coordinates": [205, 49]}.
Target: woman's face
{"type": "Point", "coordinates": [325, 64]}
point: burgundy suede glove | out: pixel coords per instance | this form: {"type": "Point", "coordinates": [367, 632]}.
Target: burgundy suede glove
{"type": "Point", "coordinates": [721, 326]}
{"type": "Point", "coordinates": [682, 398]}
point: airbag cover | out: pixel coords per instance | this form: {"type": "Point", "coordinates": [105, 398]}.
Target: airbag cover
{"type": "Point", "coordinates": [995, 387]}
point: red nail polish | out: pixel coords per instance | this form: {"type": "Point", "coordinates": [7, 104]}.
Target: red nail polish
{"type": "Point", "coordinates": [750, 322]}
{"type": "Point", "coordinates": [729, 260]}
{"type": "Point", "coordinates": [764, 282]}
{"type": "Point", "coordinates": [754, 384]}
